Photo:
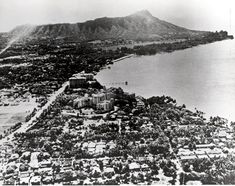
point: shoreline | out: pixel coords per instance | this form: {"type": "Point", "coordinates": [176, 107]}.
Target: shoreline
{"type": "Point", "coordinates": [153, 49]}
{"type": "Point", "coordinates": [124, 57]}
{"type": "Point", "coordinates": [207, 114]}
{"type": "Point", "coordinates": [27, 125]}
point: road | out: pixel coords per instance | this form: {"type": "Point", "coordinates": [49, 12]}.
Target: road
{"type": "Point", "coordinates": [27, 125]}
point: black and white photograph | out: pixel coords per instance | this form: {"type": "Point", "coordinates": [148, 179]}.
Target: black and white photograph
{"type": "Point", "coordinates": [117, 92]}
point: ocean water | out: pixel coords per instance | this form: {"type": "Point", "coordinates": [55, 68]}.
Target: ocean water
{"type": "Point", "coordinates": [201, 77]}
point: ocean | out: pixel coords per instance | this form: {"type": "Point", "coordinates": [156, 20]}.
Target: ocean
{"type": "Point", "coordinates": [201, 77]}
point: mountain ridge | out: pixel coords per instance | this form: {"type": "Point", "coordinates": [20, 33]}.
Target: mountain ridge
{"type": "Point", "coordinates": [141, 25]}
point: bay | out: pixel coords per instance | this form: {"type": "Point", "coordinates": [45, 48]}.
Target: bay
{"type": "Point", "coordinates": [201, 77]}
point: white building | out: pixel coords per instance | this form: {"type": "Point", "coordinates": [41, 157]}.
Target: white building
{"type": "Point", "coordinates": [109, 95]}
{"type": "Point", "coordinates": [106, 105]}
{"type": "Point", "coordinates": [97, 98]}
{"type": "Point", "coordinates": [140, 103]}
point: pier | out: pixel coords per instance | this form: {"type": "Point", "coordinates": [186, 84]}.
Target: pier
{"type": "Point", "coordinates": [118, 83]}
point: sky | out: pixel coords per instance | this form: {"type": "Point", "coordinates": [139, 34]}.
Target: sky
{"type": "Point", "coordinates": [210, 15]}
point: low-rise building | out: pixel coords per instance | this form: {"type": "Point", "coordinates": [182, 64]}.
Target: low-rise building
{"type": "Point", "coordinates": [82, 102]}
{"type": "Point", "coordinates": [140, 103]}
{"type": "Point", "coordinates": [134, 166]}
{"type": "Point", "coordinates": [69, 113]}
{"type": "Point", "coordinates": [202, 146]}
